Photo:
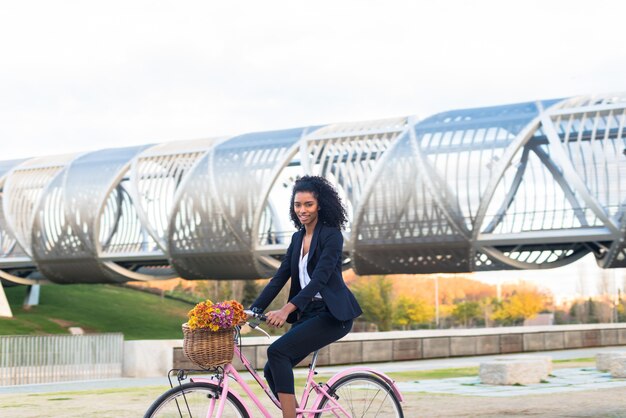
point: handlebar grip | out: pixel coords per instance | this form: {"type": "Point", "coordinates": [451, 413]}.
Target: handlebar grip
{"type": "Point", "coordinates": [253, 314]}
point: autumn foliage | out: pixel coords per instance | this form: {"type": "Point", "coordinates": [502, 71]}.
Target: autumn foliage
{"type": "Point", "coordinates": [408, 301]}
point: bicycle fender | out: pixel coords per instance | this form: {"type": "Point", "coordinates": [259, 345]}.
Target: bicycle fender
{"type": "Point", "coordinates": [383, 376]}
{"type": "Point", "coordinates": [232, 392]}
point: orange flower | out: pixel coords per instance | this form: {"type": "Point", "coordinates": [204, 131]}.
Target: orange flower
{"type": "Point", "coordinates": [216, 316]}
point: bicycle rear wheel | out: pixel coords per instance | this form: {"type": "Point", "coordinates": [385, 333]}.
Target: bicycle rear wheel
{"type": "Point", "coordinates": [363, 395]}
{"type": "Point", "coordinates": [193, 400]}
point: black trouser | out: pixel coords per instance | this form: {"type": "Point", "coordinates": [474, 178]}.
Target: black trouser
{"type": "Point", "coordinates": [316, 328]}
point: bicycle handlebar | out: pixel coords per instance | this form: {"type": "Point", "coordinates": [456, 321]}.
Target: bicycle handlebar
{"type": "Point", "coordinates": [259, 316]}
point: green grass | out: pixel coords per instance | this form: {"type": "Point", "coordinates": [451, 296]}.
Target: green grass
{"type": "Point", "coordinates": [95, 308]}
{"type": "Point", "coordinates": [434, 374]}
{"type": "Point", "coordinates": [457, 372]}
{"type": "Point", "coordinates": [576, 360]}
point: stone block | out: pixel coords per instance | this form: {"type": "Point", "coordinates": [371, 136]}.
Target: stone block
{"type": "Point", "coordinates": [511, 372]}
{"type": "Point", "coordinates": [487, 344]}
{"type": "Point", "coordinates": [609, 337]}
{"type": "Point", "coordinates": [573, 339]}
{"type": "Point", "coordinates": [547, 360]}
{"type": "Point", "coordinates": [591, 338]}
{"type": "Point", "coordinates": [534, 342]}
{"type": "Point", "coordinates": [377, 350]}
{"type": "Point", "coordinates": [436, 347]}
{"type": "Point", "coordinates": [76, 330]}
{"type": "Point", "coordinates": [554, 340]}
{"type": "Point", "coordinates": [621, 337]}
{"type": "Point", "coordinates": [603, 360]}
{"type": "Point", "coordinates": [462, 346]}
{"type": "Point", "coordinates": [346, 352]}
{"type": "Point", "coordinates": [618, 367]}
{"type": "Point", "coordinates": [407, 349]}
{"type": "Point", "coordinates": [511, 343]}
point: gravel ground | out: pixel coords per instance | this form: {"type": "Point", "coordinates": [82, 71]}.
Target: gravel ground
{"type": "Point", "coordinates": [132, 402]}
{"type": "Point", "coordinates": [131, 397]}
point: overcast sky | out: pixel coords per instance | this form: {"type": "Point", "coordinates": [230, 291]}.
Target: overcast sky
{"type": "Point", "coordinates": [84, 75]}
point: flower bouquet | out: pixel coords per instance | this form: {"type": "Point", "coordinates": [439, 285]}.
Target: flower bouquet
{"type": "Point", "coordinates": [209, 340]}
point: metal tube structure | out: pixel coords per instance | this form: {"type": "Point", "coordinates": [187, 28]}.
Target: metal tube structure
{"type": "Point", "coordinates": [523, 186]}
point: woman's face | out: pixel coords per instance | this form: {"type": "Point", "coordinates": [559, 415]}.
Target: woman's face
{"type": "Point", "coordinates": [305, 206]}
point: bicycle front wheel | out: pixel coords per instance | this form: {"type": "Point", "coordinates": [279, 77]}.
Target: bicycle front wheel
{"type": "Point", "coordinates": [195, 400]}
{"type": "Point", "coordinates": [363, 395]}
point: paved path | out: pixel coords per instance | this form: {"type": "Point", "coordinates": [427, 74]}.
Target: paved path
{"type": "Point", "coordinates": [432, 364]}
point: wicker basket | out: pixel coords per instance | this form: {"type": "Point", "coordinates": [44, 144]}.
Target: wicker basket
{"type": "Point", "coordinates": [208, 348]}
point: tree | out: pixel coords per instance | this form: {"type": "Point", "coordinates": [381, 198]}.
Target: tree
{"type": "Point", "coordinates": [577, 312]}
{"type": "Point", "coordinates": [409, 312]}
{"type": "Point", "coordinates": [621, 309]}
{"type": "Point", "coordinates": [250, 293]}
{"type": "Point", "coordinates": [487, 306]}
{"type": "Point", "coordinates": [466, 312]}
{"type": "Point", "coordinates": [519, 306]}
{"type": "Point", "coordinates": [591, 312]}
{"type": "Point", "coordinates": [374, 295]}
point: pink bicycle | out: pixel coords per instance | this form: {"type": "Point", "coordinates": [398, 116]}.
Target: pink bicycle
{"type": "Point", "coordinates": [355, 392]}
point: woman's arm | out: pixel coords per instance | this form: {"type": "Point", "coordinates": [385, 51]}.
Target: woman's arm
{"type": "Point", "coordinates": [278, 281]}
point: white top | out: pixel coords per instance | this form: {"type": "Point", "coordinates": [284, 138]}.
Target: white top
{"type": "Point", "coordinates": [304, 274]}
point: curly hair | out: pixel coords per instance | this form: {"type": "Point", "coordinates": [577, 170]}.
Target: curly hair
{"type": "Point", "coordinates": [332, 211]}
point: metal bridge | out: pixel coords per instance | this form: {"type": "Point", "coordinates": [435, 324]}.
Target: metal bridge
{"type": "Point", "coordinates": [523, 186]}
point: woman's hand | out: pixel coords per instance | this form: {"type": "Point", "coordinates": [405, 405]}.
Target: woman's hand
{"type": "Point", "coordinates": [278, 318]}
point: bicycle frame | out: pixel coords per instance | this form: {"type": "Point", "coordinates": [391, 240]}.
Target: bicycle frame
{"type": "Point", "coordinates": [301, 412]}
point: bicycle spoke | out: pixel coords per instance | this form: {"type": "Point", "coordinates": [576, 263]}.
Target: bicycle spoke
{"type": "Point", "coordinates": [364, 396]}
{"type": "Point", "coordinates": [200, 400]}
{"type": "Point", "coordinates": [382, 403]}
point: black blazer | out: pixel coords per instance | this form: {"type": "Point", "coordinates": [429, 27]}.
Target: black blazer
{"type": "Point", "coordinates": [324, 267]}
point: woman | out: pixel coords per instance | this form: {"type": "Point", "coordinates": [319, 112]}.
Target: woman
{"type": "Point", "coordinates": [320, 307]}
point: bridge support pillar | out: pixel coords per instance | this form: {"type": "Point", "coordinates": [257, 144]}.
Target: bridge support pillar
{"type": "Point", "coordinates": [32, 296]}
{"type": "Point", "coordinates": [5, 309]}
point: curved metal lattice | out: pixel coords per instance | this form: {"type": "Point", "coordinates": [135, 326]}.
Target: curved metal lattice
{"type": "Point", "coordinates": [347, 153]}
{"type": "Point", "coordinates": [523, 186]}
{"type": "Point", "coordinates": [11, 253]}
{"type": "Point", "coordinates": [8, 243]}
{"type": "Point", "coordinates": [157, 174]}
{"type": "Point", "coordinates": [78, 222]}
{"type": "Point", "coordinates": [23, 190]}
{"type": "Point", "coordinates": [222, 225]}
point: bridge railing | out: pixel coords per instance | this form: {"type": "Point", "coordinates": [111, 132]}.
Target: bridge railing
{"type": "Point", "coordinates": [55, 358]}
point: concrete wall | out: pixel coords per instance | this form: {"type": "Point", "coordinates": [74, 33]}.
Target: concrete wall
{"type": "Point", "coordinates": [149, 358]}
{"type": "Point", "coordinates": [155, 358]}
